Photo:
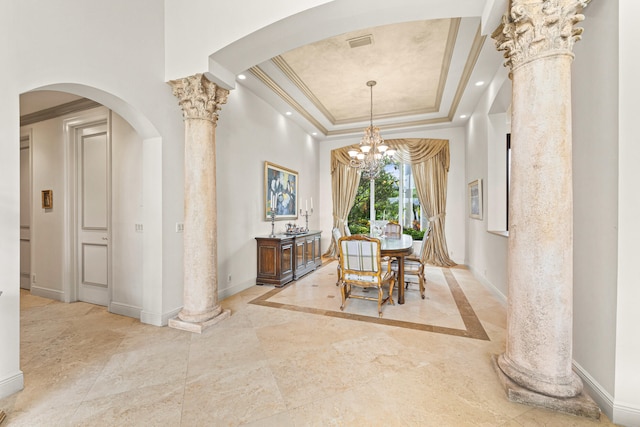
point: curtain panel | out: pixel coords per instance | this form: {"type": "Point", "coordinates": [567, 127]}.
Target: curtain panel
{"type": "Point", "coordinates": [429, 160]}
{"type": "Point", "coordinates": [344, 187]}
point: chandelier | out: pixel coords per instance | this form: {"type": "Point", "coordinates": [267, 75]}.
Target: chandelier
{"type": "Point", "coordinates": [371, 153]}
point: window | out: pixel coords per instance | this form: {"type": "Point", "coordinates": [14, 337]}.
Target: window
{"type": "Point", "coordinates": [390, 197]}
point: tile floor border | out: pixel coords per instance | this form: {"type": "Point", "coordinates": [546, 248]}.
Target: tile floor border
{"type": "Point", "coordinates": [473, 326]}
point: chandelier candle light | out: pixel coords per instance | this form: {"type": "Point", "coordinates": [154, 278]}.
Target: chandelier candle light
{"type": "Point", "coordinates": [272, 214]}
{"type": "Point", "coordinates": [307, 213]}
{"type": "Point", "coordinates": [372, 150]}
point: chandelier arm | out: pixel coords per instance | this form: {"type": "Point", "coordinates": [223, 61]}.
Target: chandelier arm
{"type": "Point", "coordinates": [371, 109]}
{"type": "Point", "coordinates": [370, 160]}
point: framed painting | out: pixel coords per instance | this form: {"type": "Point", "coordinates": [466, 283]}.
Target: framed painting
{"type": "Point", "coordinates": [280, 192]}
{"type": "Point", "coordinates": [47, 199]}
{"type": "Point", "coordinates": [475, 199]}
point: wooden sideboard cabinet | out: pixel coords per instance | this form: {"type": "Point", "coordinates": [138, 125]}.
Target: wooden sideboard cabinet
{"type": "Point", "coordinates": [284, 258]}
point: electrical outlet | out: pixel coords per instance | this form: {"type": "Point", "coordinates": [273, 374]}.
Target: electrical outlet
{"type": "Point", "coordinates": [229, 279]}
{"type": "Point", "coordinates": [139, 228]}
{"type": "Point", "coordinates": [179, 227]}
{"type": "Point", "coordinates": [34, 277]}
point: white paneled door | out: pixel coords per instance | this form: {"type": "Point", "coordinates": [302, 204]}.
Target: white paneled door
{"type": "Point", "coordinates": [94, 206]}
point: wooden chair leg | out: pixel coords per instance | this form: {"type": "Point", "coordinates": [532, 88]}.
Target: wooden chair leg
{"type": "Point", "coordinates": [421, 280]}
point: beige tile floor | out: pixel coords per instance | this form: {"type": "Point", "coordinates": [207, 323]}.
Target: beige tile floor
{"type": "Point", "coordinates": [286, 357]}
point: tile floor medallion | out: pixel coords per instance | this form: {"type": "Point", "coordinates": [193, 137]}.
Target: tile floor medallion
{"type": "Point", "coordinates": [445, 309]}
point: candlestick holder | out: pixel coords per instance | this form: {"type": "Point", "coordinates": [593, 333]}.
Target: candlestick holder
{"type": "Point", "coordinates": [306, 215]}
{"type": "Point", "coordinates": [273, 223]}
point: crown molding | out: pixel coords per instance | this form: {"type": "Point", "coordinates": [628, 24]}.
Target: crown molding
{"type": "Point", "coordinates": [474, 54]}
{"type": "Point", "coordinates": [57, 111]}
{"type": "Point", "coordinates": [264, 78]}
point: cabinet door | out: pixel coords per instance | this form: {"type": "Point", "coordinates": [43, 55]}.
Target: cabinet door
{"type": "Point", "coordinates": [317, 251]}
{"type": "Point", "coordinates": [300, 255]}
{"type": "Point", "coordinates": [287, 259]}
{"type": "Point", "coordinates": [309, 253]}
{"type": "Point", "coordinates": [268, 260]}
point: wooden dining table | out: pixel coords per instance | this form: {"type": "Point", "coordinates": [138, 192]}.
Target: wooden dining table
{"type": "Point", "coordinates": [397, 248]}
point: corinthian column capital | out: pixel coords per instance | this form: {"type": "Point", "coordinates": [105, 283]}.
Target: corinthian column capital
{"type": "Point", "coordinates": [198, 97]}
{"type": "Point", "coordinates": [533, 29]}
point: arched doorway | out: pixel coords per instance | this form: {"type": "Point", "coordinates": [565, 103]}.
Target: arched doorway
{"type": "Point", "coordinates": [65, 135]}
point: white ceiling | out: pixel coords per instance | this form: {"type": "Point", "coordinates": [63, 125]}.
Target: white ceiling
{"type": "Point", "coordinates": [406, 59]}
{"type": "Point", "coordinates": [426, 73]}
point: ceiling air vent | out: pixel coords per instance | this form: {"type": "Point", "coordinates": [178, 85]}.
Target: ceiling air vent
{"type": "Point", "coordinates": [361, 41]}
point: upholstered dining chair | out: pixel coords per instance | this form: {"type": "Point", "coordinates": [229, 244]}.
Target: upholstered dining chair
{"type": "Point", "coordinates": [336, 237]}
{"type": "Point", "coordinates": [392, 230]}
{"type": "Point", "coordinates": [361, 267]}
{"type": "Point", "coordinates": [414, 266]}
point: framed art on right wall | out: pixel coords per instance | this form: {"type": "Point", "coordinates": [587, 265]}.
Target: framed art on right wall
{"type": "Point", "coordinates": [475, 199]}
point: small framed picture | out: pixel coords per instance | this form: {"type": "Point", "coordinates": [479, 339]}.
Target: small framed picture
{"type": "Point", "coordinates": [47, 199]}
{"type": "Point", "coordinates": [475, 199]}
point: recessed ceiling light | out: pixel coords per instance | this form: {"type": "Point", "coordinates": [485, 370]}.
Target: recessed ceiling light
{"type": "Point", "coordinates": [480, 83]}
{"type": "Point", "coordinates": [241, 76]}
{"type": "Point", "coordinates": [314, 133]}
{"type": "Point", "coordinates": [288, 113]}
{"type": "Point", "coordinates": [463, 116]}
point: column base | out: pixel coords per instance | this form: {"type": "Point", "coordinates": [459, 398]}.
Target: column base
{"type": "Point", "coordinates": [198, 327]}
{"type": "Point", "coordinates": [581, 405]}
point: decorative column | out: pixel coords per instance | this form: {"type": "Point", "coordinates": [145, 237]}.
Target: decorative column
{"type": "Point", "coordinates": [200, 101]}
{"type": "Point", "coordinates": [536, 368]}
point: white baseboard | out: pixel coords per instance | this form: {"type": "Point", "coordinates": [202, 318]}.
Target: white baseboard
{"type": "Point", "coordinates": [163, 320]}
{"type": "Point", "coordinates": [620, 413]}
{"type": "Point", "coordinates": [487, 284]}
{"type": "Point", "coordinates": [47, 293]}
{"type": "Point", "coordinates": [595, 390]}
{"type": "Point", "coordinates": [625, 415]}
{"type": "Point", "coordinates": [170, 315]}
{"type": "Point", "coordinates": [158, 319]}
{"type": "Point", "coordinates": [12, 384]}
{"type": "Point", "coordinates": [125, 309]}
{"type": "Point", "coordinates": [232, 290]}
{"type": "Point", "coordinates": [150, 318]}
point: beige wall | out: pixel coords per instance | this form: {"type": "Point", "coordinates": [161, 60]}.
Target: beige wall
{"type": "Point", "coordinates": [486, 252]}
{"type": "Point", "coordinates": [627, 391]}
{"type": "Point", "coordinates": [595, 164]}
{"type": "Point", "coordinates": [249, 133]}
